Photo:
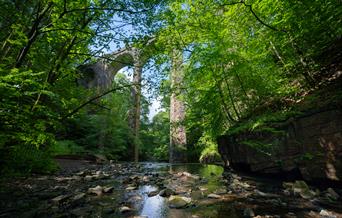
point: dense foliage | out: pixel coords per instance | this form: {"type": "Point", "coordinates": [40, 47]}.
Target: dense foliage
{"type": "Point", "coordinates": [242, 59]}
{"type": "Point", "coordinates": [42, 44]}
{"type": "Point", "coordinates": [250, 57]}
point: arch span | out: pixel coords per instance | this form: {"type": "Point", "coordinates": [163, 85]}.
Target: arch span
{"type": "Point", "coordinates": [104, 72]}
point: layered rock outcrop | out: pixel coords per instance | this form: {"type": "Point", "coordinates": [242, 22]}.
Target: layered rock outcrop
{"type": "Point", "coordinates": [310, 144]}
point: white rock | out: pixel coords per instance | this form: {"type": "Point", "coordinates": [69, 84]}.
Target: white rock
{"type": "Point", "coordinates": [214, 196]}
{"type": "Point", "coordinates": [97, 190]}
{"type": "Point", "coordinates": [125, 209]}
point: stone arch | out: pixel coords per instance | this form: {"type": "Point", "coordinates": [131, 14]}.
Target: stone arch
{"type": "Point", "coordinates": [104, 72]}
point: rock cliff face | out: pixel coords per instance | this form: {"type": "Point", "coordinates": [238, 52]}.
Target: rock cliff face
{"type": "Point", "coordinates": [310, 144]}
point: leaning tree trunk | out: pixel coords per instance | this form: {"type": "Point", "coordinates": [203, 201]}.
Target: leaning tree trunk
{"type": "Point", "coordinates": [177, 149]}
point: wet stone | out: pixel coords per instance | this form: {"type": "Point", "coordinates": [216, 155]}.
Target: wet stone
{"type": "Point", "coordinates": [332, 194]}
{"type": "Point", "coordinates": [98, 190]}
{"type": "Point", "coordinates": [108, 210]}
{"type": "Point", "coordinates": [80, 212]}
{"type": "Point", "coordinates": [166, 192]}
{"type": "Point", "coordinates": [78, 197]}
{"type": "Point", "coordinates": [196, 195]}
{"type": "Point", "coordinates": [131, 188]}
{"type": "Point", "coordinates": [125, 209]}
{"type": "Point", "coordinates": [221, 191]}
{"type": "Point", "coordinates": [179, 201]}
{"type": "Point", "coordinates": [214, 196]}
{"type": "Point", "coordinates": [153, 193]}
{"type": "Point", "coordinates": [108, 189]}
{"type": "Point", "coordinates": [248, 212]}
{"type": "Point", "coordinates": [60, 198]}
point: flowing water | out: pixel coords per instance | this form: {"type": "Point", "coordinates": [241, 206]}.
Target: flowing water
{"type": "Point", "coordinates": [134, 192]}
{"type": "Point", "coordinates": [157, 206]}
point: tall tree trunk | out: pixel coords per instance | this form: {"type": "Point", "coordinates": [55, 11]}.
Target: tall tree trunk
{"type": "Point", "coordinates": [232, 99]}
{"type": "Point", "coordinates": [136, 102]}
{"type": "Point", "coordinates": [230, 118]}
{"type": "Point", "coordinates": [177, 149]}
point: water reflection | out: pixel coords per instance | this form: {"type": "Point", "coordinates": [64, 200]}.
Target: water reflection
{"type": "Point", "coordinates": [157, 206]}
{"type": "Point", "coordinates": [153, 206]}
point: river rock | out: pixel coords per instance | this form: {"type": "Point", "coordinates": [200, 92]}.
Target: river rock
{"type": "Point", "coordinates": [78, 197]}
{"type": "Point", "coordinates": [196, 195]}
{"type": "Point", "coordinates": [146, 179]}
{"type": "Point", "coordinates": [125, 209]}
{"type": "Point", "coordinates": [81, 173]}
{"type": "Point", "coordinates": [303, 190]}
{"type": "Point", "coordinates": [98, 190]}
{"type": "Point", "coordinates": [332, 194]}
{"type": "Point", "coordinates": [99, 158]}
{"type": "Point", "coordinates": [80, 211]}
{"type": "Point", "coordinates": [131, 188]}
{"type": "Point", "coordinates": [214, 196]}
{"type": "Point", "coordinates": [179, 201]}
{"type": "Point", "coordinates": [195, 177]}
{"type": "Point", "coordinates": [166, 192]}
{"type": "Point", "coordinates": [108, 189]}
{"type": "Point", "coordinates": [60, 198]}
{"type": "Point", "coordinates": [326, 214]}
{"type": "Point", "coordinates": [266, 195]}
{"type": "Point", "coordinates": [88, 178]}
{"type": "Point", "coordinates": [203, 189]}
{"type": "Point", "coordinates": [153, 193]}
{"type": "Point", "coordinates": [221, 191]}
{"type": "Point", "coordinates": [135, 199]}
{"type": "Point", "coordinates": [76, 177]}
{"type": "Point", "coordinates": [248, 212]}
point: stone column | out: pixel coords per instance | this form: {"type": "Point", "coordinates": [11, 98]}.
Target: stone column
{"type": "Point", "coordinates": [136, 91]}
{"type": "Point", "coordinates": [177, 149]}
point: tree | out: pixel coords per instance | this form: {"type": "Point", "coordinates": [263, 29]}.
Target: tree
{"type": "Point", "coordinates": [245, 56]}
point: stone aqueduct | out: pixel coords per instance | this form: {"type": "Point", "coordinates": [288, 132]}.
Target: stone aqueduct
{"type": "Point", "coordinates": [107, 67]}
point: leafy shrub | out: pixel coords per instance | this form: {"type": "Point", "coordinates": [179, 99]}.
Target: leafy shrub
{"type": "Point", "coordinates": [66, 147]}
{"type": "Point", "coordinates": [26, 159]}
{"type": "Point", "coordinates": [209, 153]}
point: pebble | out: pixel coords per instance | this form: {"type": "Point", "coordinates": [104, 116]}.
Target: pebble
{"type": "Point", "coordinates": [98, 190]}
{"type": "Point", "coordinates": [60, 198]}
{"type": "Point", "coordinates": [332, 194]}
{"type": "Point", "coordinates": [78, 197]}
{"type": "Point", "coordinates": [125, 209]}
{"type": "Point", "coordinates": [214, 196]}
{"type": "Point", "coordinates": [327, 214]}
{"type": "Point", "coordinates": [108, 189]}
{"type": "Point", "coordinates": [153, 193]}
{"type": "Point", "coordinates": [131, 188]}
{"type": "Point", "coordinates": [248, 212]}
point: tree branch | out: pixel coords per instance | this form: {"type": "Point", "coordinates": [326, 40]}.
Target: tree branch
{"type": "Point", "coordinates": [109, 9]}
{"type": "Point", "coordinates": [93, 99]}
{"type": "Point", "coordinates": [254, 14]}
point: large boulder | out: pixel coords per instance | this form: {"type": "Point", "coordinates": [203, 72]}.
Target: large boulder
{"type": "Point", "coordinates": [310, 145]}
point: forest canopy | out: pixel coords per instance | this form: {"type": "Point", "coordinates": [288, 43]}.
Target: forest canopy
{"type": "Point", "coordinates": [243, 63]}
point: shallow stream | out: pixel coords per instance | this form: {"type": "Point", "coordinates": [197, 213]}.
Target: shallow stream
{"type": "Point", "coordinates": [135, 190]}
